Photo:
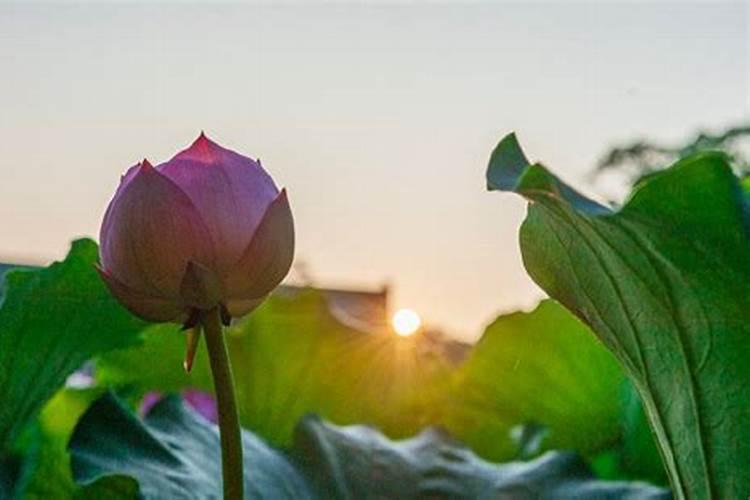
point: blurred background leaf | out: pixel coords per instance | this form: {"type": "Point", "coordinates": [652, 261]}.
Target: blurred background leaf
{"type": "Point", "coordinates": [290, 357]}
{"type": "Point", "coordinates": [546, 367]}
{"type": "Point", "coordinates": [642, 157]}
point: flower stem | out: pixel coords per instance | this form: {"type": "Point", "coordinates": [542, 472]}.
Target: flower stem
{"type": "Point", "coordinates": [229, 422]}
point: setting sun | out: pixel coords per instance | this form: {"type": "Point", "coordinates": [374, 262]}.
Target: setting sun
{"type": "Point", "coordinates": [406, 322]}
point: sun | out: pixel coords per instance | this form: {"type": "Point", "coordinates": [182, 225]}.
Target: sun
{"type": "Point", "coordinates": [406, 322]}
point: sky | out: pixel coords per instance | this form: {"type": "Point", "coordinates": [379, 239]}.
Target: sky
{"type": "Point", "coordinates": [379, 120]}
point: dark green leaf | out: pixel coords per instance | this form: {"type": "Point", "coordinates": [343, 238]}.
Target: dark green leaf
{"type": "Point", "coordinates": [664, 283]}
{"type": "Point", "coordinates": [10, 466]}
{"type": "Point", "coordinates": [173, 453]}
{"type": "Point", "coordinates": [358, 462]}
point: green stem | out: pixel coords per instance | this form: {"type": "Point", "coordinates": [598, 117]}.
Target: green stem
{"type": "Point", "coordinates": [229, 422]}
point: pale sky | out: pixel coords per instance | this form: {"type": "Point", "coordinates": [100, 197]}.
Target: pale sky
{"type": "Point", "coordinates": [378, 119]}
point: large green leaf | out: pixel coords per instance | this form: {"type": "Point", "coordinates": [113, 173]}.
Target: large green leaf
{"type": "Point", "coordinates": [664, 283]}
{"type": "Point", "coordinates": [543, 367]}
{"type": "Point", "coordinates": [290, 357]}
{"type": "Point", "coordinates": [51, 321]}
{"type": "Point", "coordinates": [175, 454]}
{"type": "Point", "coordinates": [358, 462]}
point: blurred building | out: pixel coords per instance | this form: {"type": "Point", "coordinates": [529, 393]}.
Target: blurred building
{"type": "Point", "coordinates": [368, 311]}
{"type": "Point", "coordinates": [362, 310]}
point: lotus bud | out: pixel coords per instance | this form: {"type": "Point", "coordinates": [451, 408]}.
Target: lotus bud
{"type": "Point", "coordinates": [207, 229]}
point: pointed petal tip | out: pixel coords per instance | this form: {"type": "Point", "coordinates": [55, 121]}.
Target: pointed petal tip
{"type": "Point", "coordinates": [282, 199]}
{"type": "Point", "coordinates": [202, 149]}
{"type": "Point", "coordinates": [130, 173]}
{"type": "Point", "coordinates": [146, 166]}
{"type": "Point", "coordinates": [203, 141]}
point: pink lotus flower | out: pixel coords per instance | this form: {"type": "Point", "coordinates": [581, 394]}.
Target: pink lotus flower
{"type": "Point", "coordinates": [209, 228]}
